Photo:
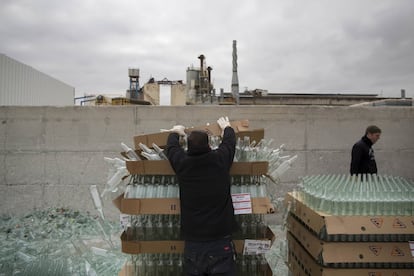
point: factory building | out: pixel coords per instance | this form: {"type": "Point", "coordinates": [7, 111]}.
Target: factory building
{"type": "Point", "coordinates": [164, 92]}
{"type": "Point", "coordinates": [21, 84]}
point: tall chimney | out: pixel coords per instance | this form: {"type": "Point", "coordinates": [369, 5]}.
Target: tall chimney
{"type": "Point", "coordinates": [235, 78]}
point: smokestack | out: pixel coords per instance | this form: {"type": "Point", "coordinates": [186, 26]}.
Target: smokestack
{"type": "Point", "coordinates": [201, 57]}
{"type": "Point", "coordinates": [402, 93]}
{"type": "Point", "coordinates": [235, 78]}
{"type": "Point", "coordinates": [209, 74]}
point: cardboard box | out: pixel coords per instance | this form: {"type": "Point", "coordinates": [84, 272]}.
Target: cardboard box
{"type": "Point", "coordinates": [240, 127]}
{"type": "Point", "coordinates": [214, 128]}
{"type": "Point", "coordinates": [171, 246]}
{"type": "Point", "coordinates": [349, 252]}
{"type": "Point", "coordinates": [160, 139]}
{"type": "Point", "coordinates": [262, 205]}
{"type": "Point", "coordinates": [147, 206]}
{"type": "Point", "coordinates": [254, 135]}
{"type": "Point", "coordinates": [249, 168]}
{"type": "Point", "coordinates": [150, 167]}
{"type": "Point", "coordinates": [129, 270]}
{"type": "Point", "coordinates": [324, 224]}
{"type": "Point", "coordinates": [300, 263]}
{"type": "Point", "coordinates": [139, 247]}
{"type": "Point", "coordinates": [163, 167]}
{"type": "Point", "coordinates": [171, 206]}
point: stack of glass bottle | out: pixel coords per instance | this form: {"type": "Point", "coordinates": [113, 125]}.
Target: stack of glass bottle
{"type": "Point", "coordinates": [159, 227]}
{"type": "Point", "coordinates": [359, 195]}
{"type": "Point", "coordinates": [374, 197]}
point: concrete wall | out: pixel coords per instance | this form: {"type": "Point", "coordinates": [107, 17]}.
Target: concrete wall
{"type": "Point", "coordinates": [49, 156]}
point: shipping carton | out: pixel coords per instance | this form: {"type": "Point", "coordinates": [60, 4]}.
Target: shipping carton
{"type": "Point", "coordinates": [254, 135]}
{"type": "Point", "coordinates": [324, 224]}
{"type": "Point", "coordinates": [214, 128]}
{"type": "Point", "coordinates": [171, 206]}
{"type": "Point", "coordinates": [350, 252]}
{"type": "Point", "coordinates": [128, 269]}
{"type": "Point", "coordinates": [147, 206]}
{"type": "Point", "coordinates": [240, 127]}
{"type": "Point", "coordinates": [300, 263]}
{"type": "Point", "coordinates": [160, 138]}
{"type": "Point", "coordinates": [163, 167]}
{"type": "Point", "coordinates": [133, 246]}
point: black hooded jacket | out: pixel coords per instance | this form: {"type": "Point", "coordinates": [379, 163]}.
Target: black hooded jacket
{"type": "Point", "coordinates": [363, 159]}
{"type": "Point", "coordinates": [206, 206]}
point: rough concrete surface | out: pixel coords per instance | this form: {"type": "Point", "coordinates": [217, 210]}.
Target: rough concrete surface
{"type": "Point", "coordinates": [49, 156]}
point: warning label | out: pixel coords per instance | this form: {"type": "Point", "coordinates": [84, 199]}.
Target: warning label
{"type": "Point", "coordinates": [397, 252]}
{"type": "Point", "coordinates": [242, 203]}
{"type": "Point", "coordinates": [377, 222]}
{"type": "Point", "coordinates": [375, 249]}
{"type": "Point", "coordinates": [398, 224]}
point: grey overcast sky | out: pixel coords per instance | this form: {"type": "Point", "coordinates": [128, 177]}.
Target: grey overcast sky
{"type": "Point", "coordinates": [295, 46]}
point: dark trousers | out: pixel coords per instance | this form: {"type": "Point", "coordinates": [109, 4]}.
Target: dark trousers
{"type": "Point", "coordinates": [215, 257]}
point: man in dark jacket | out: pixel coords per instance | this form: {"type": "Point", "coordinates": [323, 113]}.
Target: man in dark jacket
{"type": "Point", "coordinates": [207, 214]}
{"type": "Point", "coordinates": [363, 159]}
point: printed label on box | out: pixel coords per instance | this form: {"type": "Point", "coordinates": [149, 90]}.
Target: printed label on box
{"type": "Point", "coordinates": [242, 203]}
{"type": "Point", "coordinates": [124, 219]}
{"type": "Point", "coordinates": [412, 247]}
{"type": "Point", "coordinates": [254, 247]}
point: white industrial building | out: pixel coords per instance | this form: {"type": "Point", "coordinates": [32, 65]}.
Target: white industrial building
{"type": "Point", "coordinates": [21, 84]}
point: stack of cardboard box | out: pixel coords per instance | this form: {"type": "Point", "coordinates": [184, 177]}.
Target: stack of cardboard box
{"type": "Point", "coordinates": [320, 244]}
{"type": "Point", "coordinates": [171, 206]}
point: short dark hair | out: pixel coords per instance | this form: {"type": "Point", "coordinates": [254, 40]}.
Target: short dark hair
{"type": "Point", "coordinates": [372, 129]}
{"type": "Point", "coordinates": [197, 142]}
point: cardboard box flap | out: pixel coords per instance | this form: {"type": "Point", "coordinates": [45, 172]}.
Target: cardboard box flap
{"type": "Point", "coordinates": [149, 206]}
{"type": "Point", "coordinates": [214, 128]}
{"type": "Point", "coordinates": [150, 167]}
{"type": "Point", "coordinates": [249, 168]}
{"type": "Point", "coordinates": [131, 246]}
{"type": "Point", "coordinates": [254, 135]}
{"type": "Point", "coordinates": [138, 247]}
{"type": "Point", "coordinates": [128, 269]}
{"type": "Point", "coordinates": [136, 206]}
{"type": "Point", "coordinates": [262, 205]}
{"type": "Point", "coordinates": [160, 139]}
{"type": "Point", "coordinates": [127, 206]}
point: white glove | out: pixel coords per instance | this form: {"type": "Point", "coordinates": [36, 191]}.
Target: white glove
{"type": "Point", "coordinates": [179, 129]}
{"type": "Point", "coordinates": [223, 122]}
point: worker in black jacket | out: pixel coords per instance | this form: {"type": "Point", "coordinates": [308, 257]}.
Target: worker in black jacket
{"type": "Point", "coordinates": [207, 214]}
{"type": "Point", "coordinates": [362, 157]}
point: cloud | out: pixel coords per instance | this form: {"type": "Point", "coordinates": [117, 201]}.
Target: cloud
{"type": "Point", "coordinates": [283, 46]}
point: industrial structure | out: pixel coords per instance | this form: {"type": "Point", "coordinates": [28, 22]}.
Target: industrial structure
{"type": "Point", "coordinates": [21, 84]}
{"type": "Point", "coordinates": [199, 88]}
{"type": "Point", "coordinates": [164, 92]}
{"type": "Point", "coordinates": [134, 89]}
{"type": "Point", "coordinates": [235, 77]}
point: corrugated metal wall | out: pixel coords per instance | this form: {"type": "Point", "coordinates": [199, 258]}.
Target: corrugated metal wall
{"type": "Point", "coordinates": [21, 84]}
